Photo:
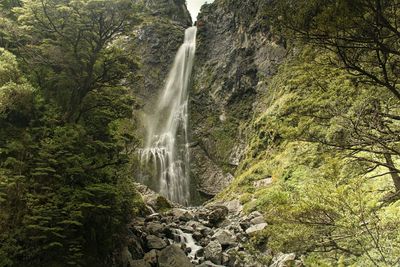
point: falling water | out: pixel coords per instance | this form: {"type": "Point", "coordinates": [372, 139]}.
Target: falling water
{"type": "Point", "coordinates": [167, 148]}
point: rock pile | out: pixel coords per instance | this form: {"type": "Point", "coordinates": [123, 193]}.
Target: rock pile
{"type": "Point", "coordinates": [209, 236]}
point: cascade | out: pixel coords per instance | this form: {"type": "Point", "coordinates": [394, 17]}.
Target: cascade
{"type": "Point", "coordinates": [167, 148]}
{"type": "Point", "coordinates": [187, 239]}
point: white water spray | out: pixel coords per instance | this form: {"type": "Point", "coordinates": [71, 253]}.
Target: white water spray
{"type": "Point", "coordinates": [167, 148]}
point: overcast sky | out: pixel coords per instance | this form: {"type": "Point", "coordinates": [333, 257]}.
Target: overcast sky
{"type": "Point", "coordinates": [194, 7]}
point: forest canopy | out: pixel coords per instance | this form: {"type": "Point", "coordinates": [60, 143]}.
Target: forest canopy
{"type": "Point", "coordinates": [65, 192]}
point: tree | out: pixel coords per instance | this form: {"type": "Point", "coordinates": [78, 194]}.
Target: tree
{"type": "Point", "coordinates": [65, 189]}
{"type": "Point", "coordinates": [70, 46]}
{"type": "Point", "coordinates": [364, 34]}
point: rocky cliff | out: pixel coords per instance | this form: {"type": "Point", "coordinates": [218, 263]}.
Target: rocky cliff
{"type": "Point", "coordinates": [237, 55]}
{"type": "Point", "coordinates": [155, 42]}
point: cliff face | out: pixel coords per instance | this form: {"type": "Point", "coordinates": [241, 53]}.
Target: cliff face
{"type": "Point", "coordinates": [155, 42]}
{"type": "Point", "coordinates": [236, 57]}
{"type": "Point", "coordinates": [174, 10]}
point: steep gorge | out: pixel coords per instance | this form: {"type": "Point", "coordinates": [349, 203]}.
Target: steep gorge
{"type": "Point", "coordinates": [273, 148]}
{"type": "Point", "coordinates": [236, 57]}
{"type": "Point", "coordinates": [276, 144]}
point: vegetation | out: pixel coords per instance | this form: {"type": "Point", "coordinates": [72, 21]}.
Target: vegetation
{"type": "Point", "coordinates": [322, 163]}
{"type": "Point", "coordinates": [65, 132]}
{"type": "Point", "coordinates": [328, 141]}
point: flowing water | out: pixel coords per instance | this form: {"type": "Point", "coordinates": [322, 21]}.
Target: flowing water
{"type": "Point", "coordinates": [187, 239]}
{"type": "Point", "coordinates": [167, 147]}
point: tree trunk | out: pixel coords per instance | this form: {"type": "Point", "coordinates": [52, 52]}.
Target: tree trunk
{"type": "Point", "coordinates": [393, 171]}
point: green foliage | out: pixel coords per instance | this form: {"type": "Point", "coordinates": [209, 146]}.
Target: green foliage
{"type": "Point", "coordinates": [331, 214]}
{"type": "Point", "coordinates": [71, 47]}
{"type": "Point", "coordinates": [362, 34]}
{"type": "Point", "coordinates": [66, 194]}
{"type": "Point", "coordinates": [317, 143]}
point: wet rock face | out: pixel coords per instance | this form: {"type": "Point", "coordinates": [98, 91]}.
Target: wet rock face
{"type": "Point", "coordinates": [236, 56]}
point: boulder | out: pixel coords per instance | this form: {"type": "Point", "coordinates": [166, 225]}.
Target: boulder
{"type": "Point", "coordinates": [195, 225]}
{"type": "Point", "coordinates": [200, 253]}
{"type": "Point", "coordinates": [155, 228]}
{"type": "Point", "coordinates": [139, 263]}
{"type": "Point", "coordinates": [151, 257]}
{"type": "Point", "coordinates": [187, 229]}
{"type": "Point", "coordinates": [263, 182]}
{"type": "Point", "coordinates": [234, 207]}
{"type": "Point", "coordinates": [224, 237]}
{"type": "Point", "coordinates": [181, 214]}
{"type": "Point", "coordinates": [283, 260]}
{"type": "Point", "coordinates": [154, 242]}
{"type": "Point", "coordinates": [155, 217]}
{"type": "Point", "coordinates": [173, 256]}
{"type": "Point", "coordinates": [207, 231]}
{"type": "Point", "coordinates": [217, 214]}
{"type": "Point", "coordinates": [213, 252]}
{"type": "Point", "coordinates": [256, 228]}
{"type": "Point", "coordinates": [255, 214]}
{"type": "Point", "coordinates": [257, 220]}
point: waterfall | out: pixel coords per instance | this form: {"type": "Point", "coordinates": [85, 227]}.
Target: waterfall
{"type": "Point", "coordinates": [167, 147]}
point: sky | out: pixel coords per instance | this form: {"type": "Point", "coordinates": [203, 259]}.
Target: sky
{"type": "Point", "coordinates": [194, 7]}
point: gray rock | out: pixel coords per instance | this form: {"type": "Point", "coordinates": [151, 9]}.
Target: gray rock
{"type": "Point", "coordinates": [263, 183]}
{"type": "Point", "coordinates": [187, 229]}
{"type": "Point", "coordinates": [256, 228]}
{"type": "Point", "coordinates": [139, 263]}
{"type": "Point", "coordinates": [195, 225]}
{"type": "Point", "coordinates": [224, 237]}
{"type": "Point", "coordinates": [153, 217]}
{"type": "Point", "coordinates": [173, 256]}
{"type": "Point", "coordinates": [151, 257]}
{"type": "Point", "coordinates": [213, 252]}
{"type": "Point", "coordinates": [234, 62]}
{"type": "Point", "coordinates": [207, 231]}
{"type": "Point", "coordinates": [154, 242]}
{"type": "Point", "coordinates": [217, 214]}
{"type": "Point", "coordinates": [155, 228]}
{"type": "Point", "coordinates": [283, 260]}
{"type": "Point", "coordinates": [234, 207]}
{"type": "Point", "coordinates": [209, 264]}
{"type": "Point", "coordinates": [255, 214]}
{"type": "Point", "coordinates": [200, 253]}
{"type": "Point", "coordinates": [257, 220]}
{"type": "Point", "coordinates": [181, 214]}
{"type": "Point", "coordinates": [225, 258]}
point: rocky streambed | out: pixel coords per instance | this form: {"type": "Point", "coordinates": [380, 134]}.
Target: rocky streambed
{"type": "Point", "coordinates": [206, 236]}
